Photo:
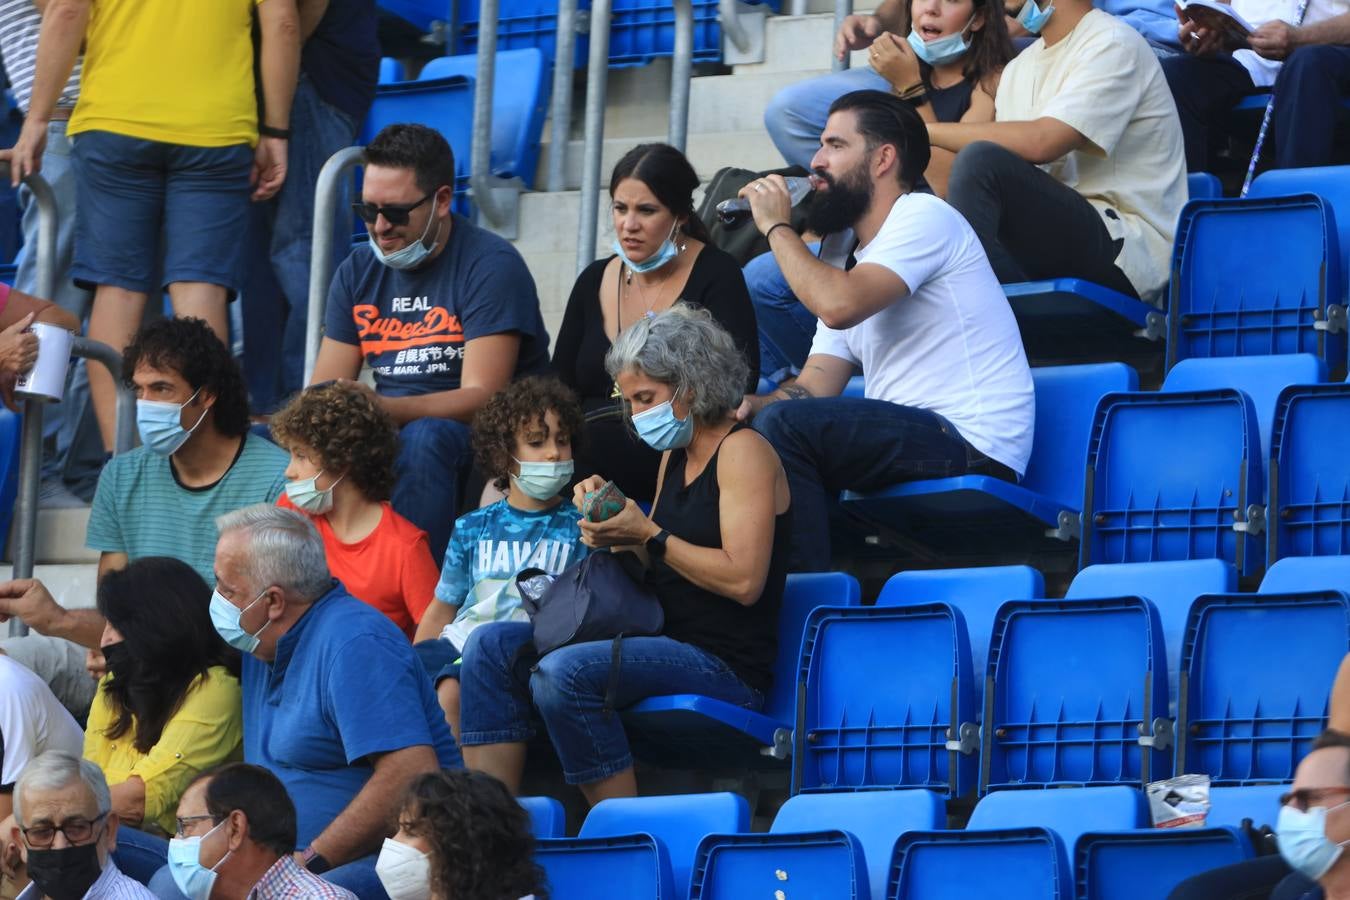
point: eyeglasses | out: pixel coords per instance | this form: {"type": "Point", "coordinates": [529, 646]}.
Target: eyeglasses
{"type": "Point", "coordinates": [1304, 798]}
{"type": "Point", "coordinates": [396, 214]}
{"type": "Point", "coordinates": [77, 829]}
{"type": "Point", "coordinates": [185, 822]}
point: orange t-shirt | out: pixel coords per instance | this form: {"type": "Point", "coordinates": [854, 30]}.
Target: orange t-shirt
{"type": "Point", "coordinates": [391, 568]}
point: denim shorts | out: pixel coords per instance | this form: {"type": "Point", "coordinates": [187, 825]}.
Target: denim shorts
{"type": "Point", "coordinates": [141, 201]}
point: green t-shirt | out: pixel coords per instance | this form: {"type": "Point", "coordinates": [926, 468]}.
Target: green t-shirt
{"type": "Point", "coordinates": [141, 510]}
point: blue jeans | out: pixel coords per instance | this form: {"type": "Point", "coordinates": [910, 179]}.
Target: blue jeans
{"type": "Point", "coordinates": [433, 463]}
{"type": "Point", "coordinates": [1308, 94]}
{"type": "Point", "coordinates": [357, 876]}
{"type": "Point", "coordinates": [796, 115]}
{"type": "Point", "coordinates": [828, 445]}
{"type": "Point", "coordinates": [276, 295]}
{"type": "Point", "coordinates": [786, 328]}
{"type": "Point", "coordinates": [139, 855]}
{"type": "Point", "coordinates": [439, 657]}
{"type": "Point", "coordinates": [568, 689]}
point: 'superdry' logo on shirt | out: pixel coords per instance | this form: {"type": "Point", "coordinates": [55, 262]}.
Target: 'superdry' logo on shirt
{"type": "Point", "coordinates": [382, 335]}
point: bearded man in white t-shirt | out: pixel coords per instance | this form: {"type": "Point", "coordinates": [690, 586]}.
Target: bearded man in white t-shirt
{"type": "Point", "coordinates": [947, 387]}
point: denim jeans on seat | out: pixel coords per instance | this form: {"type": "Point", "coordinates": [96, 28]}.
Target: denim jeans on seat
{"type": "Point", "coordinates": [434, 459]}
{"type": "Point", "coordinates": [568, 688]}
{"type": "Point", "coordinates": [786, 327]}
{"type": "Point", "coordinates": [796, 115]}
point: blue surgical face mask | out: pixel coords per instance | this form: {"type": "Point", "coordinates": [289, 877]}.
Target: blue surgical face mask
{"type": "Point", "coordinates": [659, 428]}
{"type": "Point", "coordinates": [185, 865]}
{"type": "Point", "coordinates": [664, 254]}
{"type": "Point", "coordinates": [416, 253]}
{"type": "Point", "coordinates": [1303, 839]}
{"type": "Point", "coordinates": [225, 617]}
{"type": "Point", "coordinates": [306, 496]}
{"type": "Point", "coordinates": [940, 51]}
{"type": "Point", "coordinates": [542, 480]}
{"type": "Point", "coordinates": [1033, 17]}
{"type": "Point", "coordinates": [161, 424]}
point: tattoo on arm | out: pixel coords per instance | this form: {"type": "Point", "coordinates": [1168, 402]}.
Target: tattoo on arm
{"type": "Point", "coordinates": [794, 392]}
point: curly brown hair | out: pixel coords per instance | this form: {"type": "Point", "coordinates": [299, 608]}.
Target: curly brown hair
{"type": "Point", "coordinates": [347, 429]}
{"type": "Point", "coordinates": [482, 846]}
{"type": "Point", "coordinates": [523, 403]}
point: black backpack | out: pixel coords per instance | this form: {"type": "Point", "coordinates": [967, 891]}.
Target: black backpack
{"type": "Point", "coordinates": [745, 242]}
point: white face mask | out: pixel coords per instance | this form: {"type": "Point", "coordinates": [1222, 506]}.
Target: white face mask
{"type": "Point", "coordinates": [404, 871]}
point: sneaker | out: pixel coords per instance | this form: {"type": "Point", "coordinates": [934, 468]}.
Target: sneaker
{"type": "Point", "coordinates": [53, 494]}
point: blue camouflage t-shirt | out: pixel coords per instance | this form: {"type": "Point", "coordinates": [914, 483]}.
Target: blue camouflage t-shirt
{"type": "Point", "coordinates": [489, 547]}
{"type": "Point", "coordinates": [412, 325]}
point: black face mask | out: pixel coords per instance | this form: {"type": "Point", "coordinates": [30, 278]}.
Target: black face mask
{"type": "Point", "coordinates": [66, 873]}
{"type": "Point", "coordinates": [117, 657]}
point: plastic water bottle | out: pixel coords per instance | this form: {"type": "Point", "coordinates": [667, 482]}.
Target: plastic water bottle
{"type": "Point", "coordinates": [736, 212]}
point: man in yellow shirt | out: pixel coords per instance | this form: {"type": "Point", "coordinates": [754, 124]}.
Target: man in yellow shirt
{"type": "Point", "coordinates": [168, 144]}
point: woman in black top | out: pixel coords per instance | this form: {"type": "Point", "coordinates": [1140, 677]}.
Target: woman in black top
{"type": "Point", "coordinates": [715, 548]}
{"type": "Point", "coordinates": [661, 257]}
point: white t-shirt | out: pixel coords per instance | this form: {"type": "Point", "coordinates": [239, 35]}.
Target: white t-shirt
{"type": "Point", "coordinates": [1103, 80]}
{"type": "Point", "coordinates": [1259, 12]}
{"type": "Point", "coordinates": [32, 721]}
{"type": "Point", "coordinates": [952, 346]}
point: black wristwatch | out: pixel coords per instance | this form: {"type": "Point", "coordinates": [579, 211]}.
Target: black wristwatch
{"type": "Point", "coordinates": [656, 544]}
{"type": "Point", "coordinates": [314, 862]}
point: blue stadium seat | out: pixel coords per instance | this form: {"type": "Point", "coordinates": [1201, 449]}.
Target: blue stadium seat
{"type": "Point", "coordinates": [886, 699]}
{"type": "Point", "coordinates": [1247, 715]}
{"type": "Point", "coordinates": [1068, 320]}
{"type": "Point", "coordinates": [1015, 845]}
{"type": "Point", "coordinates": [678, 823]}
{"type": "Point", "coordinates": [1309, 503]}
{"type": "Point", "coordinates": [1331, 183]}
{"type": "Point", "coordinates": [1260, 803]}
{"type": "Point", "coordinates": [1221, 306]}
{"type": "Point", "coordinates": [8, 274]}
{"type": "Point", "coordinates": [875, 818]}
{"type": "Point", "coordinates": [1203, 186]}
{"type": "Point", "coordinates": [1170, 586]}
{"type": "Point", "coordinates": [445, 104]}
{"type": "Point", "coordinates": [519, 99]}
{"type": "Point", "coordinates": [690, 730]}
{"type": "Point", "coordinates": [391, 71]}
{"type": "Point", "coordinates": [981, 515]}
{"type": "Point", "coordinates": [856, 387]}
{"type": "Point", "coordinates": [812, 864]}
{"type": "Point", "coordinates": [607, 868]}
{"type": "Point", "coordinates": [11, 428]}
{"type": "Point", "coordinates": [1174, 476]}
{"type": "Point", "coordinates": [1306, 573]}
{"type": "Point", "coordinates": [547, 818]}
{"type": "Point", "coordinates": [978, 593]}
{"type": "Point", "coordinates": [421, 13]}
{"type": "Point", "coordinates": [1137, 864]}
{"type": "Point", "coordinates": [1079, 695]}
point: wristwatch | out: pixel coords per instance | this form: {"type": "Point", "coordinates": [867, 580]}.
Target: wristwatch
{"type": "Point", "coordinates": [656, 544]}
{"type": "Point", "coordinates": [314, 862]}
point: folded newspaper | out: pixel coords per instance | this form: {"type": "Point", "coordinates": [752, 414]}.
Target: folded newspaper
{"type": "Point", "coordinates": [1220, 17]}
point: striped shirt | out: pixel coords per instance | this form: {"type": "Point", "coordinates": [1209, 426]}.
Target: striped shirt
{"type": "Point", "coordinates": [111, 885]}
{"type": "Point", "coordinates": [287, 881]}
{"type": "Point", "coordinates": [19, 26]}
{"type": "Point", "coordinates": [141, 510]}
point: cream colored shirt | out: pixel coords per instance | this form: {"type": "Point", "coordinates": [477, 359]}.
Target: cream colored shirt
{"type": "Point", "coordinates": [1104, 81]}
{"type": "Point", "coordinates": [1259, 12]}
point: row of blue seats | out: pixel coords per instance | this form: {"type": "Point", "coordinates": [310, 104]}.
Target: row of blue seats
{"type": "Point", "coordinates": [1238, 459]}
{"type": "Point", "coordinates": [1092, 843]}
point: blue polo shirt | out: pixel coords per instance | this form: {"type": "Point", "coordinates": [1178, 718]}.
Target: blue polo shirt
{"type": "Point", "coordinates": [345, 684]}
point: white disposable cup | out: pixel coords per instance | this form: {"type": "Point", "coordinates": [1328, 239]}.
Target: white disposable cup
{"type": "Point", "coordinates": [47, 379]}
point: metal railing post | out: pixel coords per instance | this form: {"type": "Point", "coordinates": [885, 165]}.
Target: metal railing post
{"type": "Point", "coordinates": [681, 68]}
{"type": "Point", "coordinates": [327, 190]}
{"type": "Point", "coordinates": [480, 154]}
{"type": "Point", "coordinates": [842, 10]}
{"type": "Point", "coordinates": [731, 25]}
{"type": "Point", "coordinates": [560, 129]}
{"type": "Point", "coordinates": [597, 73]}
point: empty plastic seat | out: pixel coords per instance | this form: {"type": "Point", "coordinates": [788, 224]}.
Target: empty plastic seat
{"type": "Point", "coordinates": [1174, 476]}
{"type": "Point", "coordinates": [691, 730]}
{"type": "Point", "coordinates": [812, 864]}
{"type": "Point", "coordinates": [875, 818]}
{"type": "Point", "coordinates": [547, 818]}
{"type": "Point", "coordinates": [445, 104]}
{"type": "Point", "coordinates": [391, 71]}
{"type": "Point", "coordinates": [1170, 586]}
{"type": "Point", "coordinates": [1310, 473]}
{"type": "Point", "coordinates": [978, 515]}
{"type": "Point", "coordinates": [612, 868]}
{"type": "Point", "coordinates": [885, 699]}
{"type": "Point", "coordinates": [1259, 803]}
{"type": "Point", "coordinates": [1067, 320]}
{"type": "Point", "coordinates": [1219, 305]}
{"type": "Point", "coordinates": [1069, 812]}
{"type": "Point", "coordinates": [1203, 186]}
{"type": "Point", "coordinates": [1079, 695]}
{"type": "Point", "coordinates": [1307, 573]}
{"type": "Point", "coordinates": [1132, 865]}
{"type": "Point", "coordinates": [1256, 674]}
{"type": "Point", "coordinates": [11, 430]}
{"type": "Point", "coordinates": [978, 593]}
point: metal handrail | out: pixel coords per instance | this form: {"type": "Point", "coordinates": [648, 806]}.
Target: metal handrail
{"type": "Point", "coordinates": [681, 70]}
{"type": "Point", "coordinates": [480, 154]}
{"type": "Point", "coordinates": [560, 128]}
{"type": "Point", "coordinates": [842, 10]}
{"type": "Point", "coordinates": [327, 192]}
{"type": "Point", "coordinates": [728, 16]}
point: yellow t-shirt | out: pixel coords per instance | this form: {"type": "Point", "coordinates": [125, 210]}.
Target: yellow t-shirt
{"type": "Point", "coordinates": [175, 71]}
{"type": "Point", "coordinates": [207, 730]}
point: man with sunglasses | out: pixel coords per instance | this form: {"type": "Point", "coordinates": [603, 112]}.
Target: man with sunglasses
{"type": "Point", "coordinates": [444, 312]}
{"type": "Point", "coordinates": [66, 832]}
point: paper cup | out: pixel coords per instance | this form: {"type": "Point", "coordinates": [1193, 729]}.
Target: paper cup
{"type": "Point", "coordinates": [47, 379]}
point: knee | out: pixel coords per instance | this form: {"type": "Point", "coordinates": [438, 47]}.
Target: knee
{"type": "Point", "coordinates": [567, 675]}
{"type": "Point", "coordinates": [982, 160]}
{"type": "Point", "coordinates": [1309, 66]}
{"type": "Point", "coordinates": [491, 647]}
{"type": "Point", "coordinates": [436, 436]}
{"type": "Point", "coordinates": [762, 275]}
{"type": "Point", "coordinates": [781, 108]}
{"type": "Point", "coordinates": [777, 422]}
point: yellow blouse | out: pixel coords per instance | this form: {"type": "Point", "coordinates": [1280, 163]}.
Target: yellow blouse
{"type": "Point", "coordinates": [206, 731]}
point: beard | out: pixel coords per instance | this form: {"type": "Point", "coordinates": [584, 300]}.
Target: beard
{"type": "Point", "coordinates": [843, 204]}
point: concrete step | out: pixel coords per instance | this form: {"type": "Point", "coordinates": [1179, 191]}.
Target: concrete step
{"type": "Point", "coordinates": [792, 43]}
{"type": "Point", "coordinates": [60, 537]}
{"type": "Point", "coordinates": [708, 151]}
{"type": "Point", "coordinates": [722, 103]}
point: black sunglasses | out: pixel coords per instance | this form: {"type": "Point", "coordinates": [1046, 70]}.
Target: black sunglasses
{"type": "Point", "coordinates": [397, 214]}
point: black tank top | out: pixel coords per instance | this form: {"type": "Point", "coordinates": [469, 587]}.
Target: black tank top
{"type": "Point", "coordinates": [744, 637]}
{"type": "Point", "coordinates": [949, 103]}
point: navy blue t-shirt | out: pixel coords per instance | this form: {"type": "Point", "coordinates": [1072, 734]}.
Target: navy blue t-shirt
{"type": "Point", "coordinates": [342, 57]}
{"type": "Point", "coordinates": [411, 326]}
